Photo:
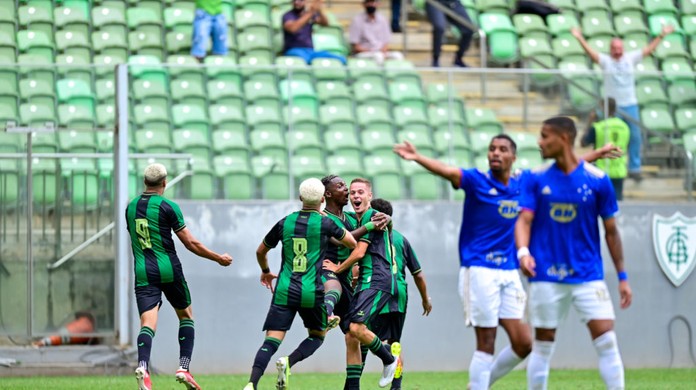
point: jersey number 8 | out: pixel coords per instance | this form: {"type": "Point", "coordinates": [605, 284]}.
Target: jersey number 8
{"type": "Point", "coordinates": [299, 262]}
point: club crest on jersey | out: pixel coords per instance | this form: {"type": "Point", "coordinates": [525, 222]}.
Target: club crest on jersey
{"type": "Point", "coordinates": [674, 242]}
{"type": "Point", "coordinates": [493, 192]}
{"type": "Point", "coordinates": [546, 190]}
{"type": "Point", "coordinates": [508, 208]}
{"type": "Point", "coordinates": [563, 212]}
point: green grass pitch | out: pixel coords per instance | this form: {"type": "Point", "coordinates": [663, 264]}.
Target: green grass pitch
{"type": "Point", "coordinates": [636, 379]}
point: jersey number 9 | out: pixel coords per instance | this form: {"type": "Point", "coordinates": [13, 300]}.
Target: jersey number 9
{"type": "Point", "coordinates": [299, 247]}
{"type": "Point", "coordinates": [143, 232]}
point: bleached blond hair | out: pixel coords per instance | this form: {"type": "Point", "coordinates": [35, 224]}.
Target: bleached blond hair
{"type": "Point", "coordinates": [311, 191]}
{"type": "Point", "coordinates": [155, 173]}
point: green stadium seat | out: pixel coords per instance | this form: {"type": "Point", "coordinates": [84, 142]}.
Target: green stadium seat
{"type": "Point", "coordinates": [251, 18]}
{"type": "Point", "coordinates": [446, 140]}
{"type": "Point", "coordinates": [152, 92]}
{"type": "Point", "coordinates": [9, 185]}
{"type": "Point", "coordinates": [677, 71]}
{"type": "Point", "coordinates": [38, 16]}
{"type": "Point", "coordinates": [671, 50]}
{"type": "Point", "coordinates": [202, 183]}
{"type": "Point", "coordinates": [660, 7]}
{"type": "Point", "coordinates": [493, 6]}
{"type": "Point", "coordinates": [188, 92]}
{"type": "Point", "coordinates": [36, 43]}
{"type": "Point", "coordinates": [374, 115]}
{"type": "Point", "coordinates": [401, 71]}
{"type": "Point", "coordinates": [686, 119]}
{"type": "Point", "coordinates": [105, 115]}
{"type": "Point", "coordinates": [440, 94]}
{"type": "Point", "coordinates": [635, 42]}
{"type": "Point", "coordinates": [8, 47]}
{"type": "Point", "coordinates": [343, 143]}
{"type": "Point", "coordinates": [299, 93]}
{"type": "Point", "coordinates": [223, 68]}
{"type": "Point", "coordinates": [76, 141]}
{"type": "Point", "coordinates": [659, 120]}
{"type": "Point", "coordinates": [335, 92]}
{"type": "Point", "coordinates": [270, 143]}
{"type": "Point", "coordinates": [346, 168]}
{"type": "Point", "coordinates": [227, 117]}
{"type": "Point", "coordinates": [688, 23]}
{"type": "Point", "coordinates": [76, 117]}
{"type": "Point", "coordinates": [144, 43]}
{"type": "Point", "coordinates": [329, 39]}
{"type": "Point", "coordinates": [369, 92]}
{"type": "Point", "coordinates": [110, 43]}
{"type": "Point", "coordinates": [109, 17]}
{"type": "Point", "coordinates": [191, 117]}
{"type": "Point", "coordinates": [43, 142]}
{"type": "Point", "coordinates": [254, 43]}
{"type": "Point", "coordinates": [567, 6]}
{"type": "Point", "coordinates": [45, 181]}
{"type": "Point", "coordinates": [225, 93]}
{"type": "Point", "coordinates": [360, 67]}
{"type": "Point", "coordinates": [682, 94]}
{"type": "Point", "coordinates": [8, 21]}
{"type": "Point", "coordinates": [337, 117]}
{"type": "Point", "coordinates": [153, 141]}
{"type": "Point", "coordinates": [628, 24]}
{"type": "Point", "coordinates": [386, 176]}
{"type": "Point", "coordinates": [502, 37]}
{"type": "Point", "coordinates": [75, 67]}
{"type": "Point", "coordinates": [105, 92]}
{"type": "Point", "coordinates": [305, 143]}
{"type": "Point", "coordinates": [185, 67]}
{"type": "Point", "coordinates": [73, 17]}
{"type": "Point", "coordinates": [441, 116]}
{"type": "Point", "coordinates": [151, 116]}
{"type": "Point", "coordinates": [273, 177]}
{"type": "Point", "coordinates": [147, 67]}
{"type": "Point", "coordinates": [561, 24]}
{"type": "Point", "coordinates": [329, 69]}
{"type": "Point", "coordinates": [644, 71]}
{"type": "Point", "coordinates": [293, 68]}
{"type": "Point", "coordinates": [579, 73]}
{"type": "Point", "coordinates": [532, 47]}
{"type": "Point", "coordinates": [595, 26]}
{"type": "Point", "coordinates": [540, 51]}
{"type": "Point", "coordinates": [178, 42]}
{"type": "Point", "coordinates": [407, 94]}
{"type": "Point", "coordinates": [657, 21]}
{"type": "Point", "coordinates": [483, 120]}
{"type": "Point", "coordinates": [301, 118]}
{"type": "Point", "coordinates": [261, 92]}
{"type": "Point", "coordinates": [38, 91]}
{"type": "Point", "coordinates": [264, 118]}
{"type": "Point", "coordinates": [75, 92]}
{"type": "Point", "coordinates": [235, 176]}
{"type": "Point", "coordinates": [193, 142]}
{"type": "Point", "coordinates": [231, 142]}
{"type": "Point", "coordinates": [377, 139]}
{"type": "Point", "coordinates": [595, 6]}
{"type": "Point", "coordinates": [153, 5]}
{"type": "Point", "coordinates": [36, 114]}
{"type": "Point", "coordinates": [73, 42]}
{"type": "Point", "coordinates": [408, 118]}
{"type": "Point", "coordinates": [179, 16]}
{"type": "Point", "coordinates": [528, 159]}
{"type": "Point", "coordinates": [257, 67]}
{"type": "Point", "coordinates": [530, 26]}
{"type": "Point", "coordinates": [627, 7]}
{"type": "Point", "coordinates": [423, 184]}
{"type": "Point", "coordinates": [38, 67]}
{"type": "Point", "coordinates": [420, 137]}
{"type": "Point", "coordinates": [144, 19]}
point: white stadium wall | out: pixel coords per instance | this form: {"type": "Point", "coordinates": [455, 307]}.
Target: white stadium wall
{"type": "Point", "coordinates": [230, 305]}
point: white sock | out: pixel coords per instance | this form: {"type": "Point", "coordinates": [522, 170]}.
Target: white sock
{"type": "Point", "coordinates": [506, 360]}
{"type": "Point", "coordinates": [610, 365]}
{"type": "Point", "coordinates": [539, 365]}
{"type": "Point", "coordinates": [480, 370]}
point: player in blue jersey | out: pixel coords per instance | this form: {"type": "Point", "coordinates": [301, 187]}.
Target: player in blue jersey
{"type": "Point", "coordinates": [557, 234]}
{"type": "Point", "coordinates": [489, 284]}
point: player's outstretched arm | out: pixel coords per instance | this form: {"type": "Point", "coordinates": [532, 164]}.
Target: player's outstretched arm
{"type": "Point", "coordinates": [356, 255]}
{"type": "Point", "coordinates": [262, 258]}
{"type": "Point", "coordinates": [348, 240]}
{"type": "Point", "coordinates": [195, 246]}
{"type": "Point", "coordinates": [523, 228]}
{"type": "Point", "coordinates": [650, 48]}
{"type": "Point", "coordinates": [577, 33]}
{"type": "Point", "coordinates": [607, 151]}
{"type": "Point", "coordinates": [422, 286]}
{"type": "Point", "coordinates": [613, 238]}
{"type": "Point", "coordinates": [407, 151]}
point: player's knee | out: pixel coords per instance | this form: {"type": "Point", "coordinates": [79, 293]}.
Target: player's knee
{"type": "Point", "coordinates": [356, 329]}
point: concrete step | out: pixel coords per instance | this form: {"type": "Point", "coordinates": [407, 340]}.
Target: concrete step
{"type": "Point", "coordinates": [64, 360]}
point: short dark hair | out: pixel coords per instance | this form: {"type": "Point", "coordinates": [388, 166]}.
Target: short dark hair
{"type": "Point", "coordinates": [382, 205]}
{"type": "Point", "coordinates": [326, 180]}
{"type": "Point", "coordinates": [563, 124]}
{"type": "Point", "coordinates": [507, 138]}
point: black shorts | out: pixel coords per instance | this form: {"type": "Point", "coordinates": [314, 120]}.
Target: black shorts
{"type": "Point", "coordinates": [389, 326]}
{"type": "Point", "coordinates": [367, 304]}
{"type": "Point", "coordinates": [176, 292]}
{"type": "Point", "coordinates": [281, 317]}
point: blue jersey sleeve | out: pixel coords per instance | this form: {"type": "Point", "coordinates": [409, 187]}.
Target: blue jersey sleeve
{"type": "Point", "coordinates": [607, 205]}
{"type": "Point", "coordinates": [528, 186]}
{"type": "Point", "coordinates": [468, 180]}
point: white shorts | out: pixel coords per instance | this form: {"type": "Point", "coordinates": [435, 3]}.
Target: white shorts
{"type": "Point", "coordinates": [549, 302]}
{"type": "Point", "coordinates": [490, 294]}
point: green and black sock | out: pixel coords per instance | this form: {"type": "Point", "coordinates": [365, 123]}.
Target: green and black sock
{"type": "Point", "coordinates": [145, 346]}
{"type": "Point", "coordinates": [187, 334]}
{"type": "Point", "coordinates": [263, 356]}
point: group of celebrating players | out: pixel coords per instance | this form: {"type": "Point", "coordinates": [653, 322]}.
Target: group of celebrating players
{"type": "Point", "coordinates": [347, 269]}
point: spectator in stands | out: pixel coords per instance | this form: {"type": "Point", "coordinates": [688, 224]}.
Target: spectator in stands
{"type": "Point", "coordinates": [209, 23]}
{"type": "Point", "coordinates": [439, 19]}
{"type": "Point", "coordinates": [369, 35]}
{"type": "Point", "coordinates": [396, 16]}
{"type": "Point", "coordinates": [620, 84]}
{"type": "Point", "coordinates": [603, 130]}
{"type": "Point", "coordinates": [297, 31]}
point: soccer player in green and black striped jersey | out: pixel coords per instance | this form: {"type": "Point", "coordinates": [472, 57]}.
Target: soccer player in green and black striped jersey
{"type": "Point", "coordinates": [150, 220]}
{"type": "Point", "coordinates": [299, 290]}
{"type": "Point", "coordinates": [376, 284]}
{"type": "Point", "coordinates": [389, 323]}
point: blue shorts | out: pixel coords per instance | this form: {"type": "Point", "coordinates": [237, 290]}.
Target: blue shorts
{"type": "Point", "coordinates": [206, 26]}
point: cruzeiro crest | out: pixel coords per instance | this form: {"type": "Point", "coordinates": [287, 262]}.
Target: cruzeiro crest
{"type": "Point", "coordinates": [674, 241]}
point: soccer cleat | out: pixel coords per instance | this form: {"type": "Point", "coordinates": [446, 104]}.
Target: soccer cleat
{"type": "Point", "coordinates": [249, 386]}
{"type": "Point", "coordinates": [283, 366]}
{"type": "Point", "coordinates": [333, 322]}
{"type": "Point", "coordinates": [143, 377]}
{"type": "Point", "coordinates": [185, 377]}
{"type": "Point", "coordinates": [389, 370]}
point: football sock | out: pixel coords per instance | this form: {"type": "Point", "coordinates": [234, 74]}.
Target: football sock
{"type": "Point", "coordinates": [396, 383]}
{"type": "Point", "coordinates": [363, 353]}
{"type": "Point", "coordinates": [331, 297]}
{"type": "Point", "coordinates": [187, 335]}
{"type": "Point", "coordinates": [353, 372]}
{"type": "Point", "coordinates": [539, 364]}
{"type": "Point", "coordinates": [506, 360]}
{"type": "Point", "coordinates": [480, 370]}
{"type": "Point", "coordinates": [381, 351]}
{"type": "Point", "coordinates": [306, 348]}
{"type": "Point", "coordinates": [145, 346]}
{"type": "Point", "coordinates": [610, 364]}
{"type": "Point", "coordinates": [263, 356]}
